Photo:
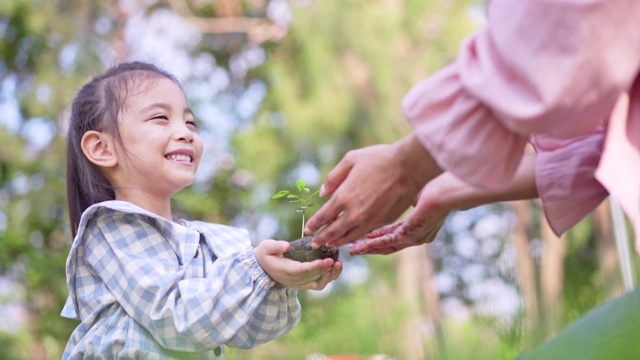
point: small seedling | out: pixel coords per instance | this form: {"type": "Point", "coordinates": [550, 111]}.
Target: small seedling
{"type": "Point", "coordinates": [301, 197]}
{"type": "Point", "coordinates": [301, 249]}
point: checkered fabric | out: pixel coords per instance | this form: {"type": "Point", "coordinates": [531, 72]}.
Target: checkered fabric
{"type": "Point", "coordinates": [144, 287]}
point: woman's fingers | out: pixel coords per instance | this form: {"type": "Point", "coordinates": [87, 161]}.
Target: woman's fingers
{"type": "Point", "coordinates": [374, 191]}
{"type": "Point", "coordinates": [332, 208]}
{"type": "Point", "coordinates": [385, 230]}
{"type": "Point", "coordinates": [366, 246]}
{"type": "Point", "coordinates": [418, 229]}
{"type": "Point", "coordinates": [336, 176]}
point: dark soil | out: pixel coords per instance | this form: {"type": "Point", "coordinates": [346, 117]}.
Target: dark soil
{"type": "Point", "coordinates": [301, 251]}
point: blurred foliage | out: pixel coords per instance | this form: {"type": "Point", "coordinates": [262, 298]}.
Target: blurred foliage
{"type": "Point", "coordinates": [333, 83]}
{"type": "Point", "coordinates": [360, 333]}
{"type": "Point", "coordinates": [581, 290]}
{"type": "Point", "coordinates": [34, 237]}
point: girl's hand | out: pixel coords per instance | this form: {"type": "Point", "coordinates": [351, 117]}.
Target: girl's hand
{"type": "Point", "coordinates": [314, 275]}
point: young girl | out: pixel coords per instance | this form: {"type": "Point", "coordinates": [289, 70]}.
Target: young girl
{"type": "Point", "coordinates": [146, 285]}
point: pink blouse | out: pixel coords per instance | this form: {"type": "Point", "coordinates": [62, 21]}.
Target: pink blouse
{"type": "Point", "coordinates": [560, 73]}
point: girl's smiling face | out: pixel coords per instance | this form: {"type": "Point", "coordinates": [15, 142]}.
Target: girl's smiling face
{"type": "Point", "coordinates": [161, 148]}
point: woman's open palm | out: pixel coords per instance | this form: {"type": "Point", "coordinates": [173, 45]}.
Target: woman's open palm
{"type": "Point", "coordinates": [420, 227]}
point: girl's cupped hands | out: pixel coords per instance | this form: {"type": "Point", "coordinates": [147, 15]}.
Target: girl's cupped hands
{"type": "Point", "coordinates": [313, 275]}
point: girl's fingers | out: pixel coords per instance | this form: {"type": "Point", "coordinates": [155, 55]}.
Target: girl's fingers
{"type": "Point", "coordinates": [323, 281]}
{"type": "Point", "coordinates": [309, 270]}
{"type": "Point", "coordinates": [336, 270]}
{"type": "Point", "coordinates": [318, 278]}
{"type": "Point", "coordinates": [274, 247]}
{"type": "Point", "coordinates": [327, 277]}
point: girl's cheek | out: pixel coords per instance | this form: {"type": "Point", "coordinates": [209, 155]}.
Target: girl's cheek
{"type": "Point", "coordinates": [199, 145]}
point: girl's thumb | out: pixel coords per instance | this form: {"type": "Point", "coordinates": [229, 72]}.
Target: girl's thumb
{"type": "Point", "coordinates": [277, 247]}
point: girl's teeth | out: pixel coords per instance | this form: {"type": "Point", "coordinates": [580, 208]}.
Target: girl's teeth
{"type": "Point", "coordinates": [179, 157]}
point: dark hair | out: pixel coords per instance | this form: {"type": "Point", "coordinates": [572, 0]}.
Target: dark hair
{"type": "Point", "coordinates": [96, 107]}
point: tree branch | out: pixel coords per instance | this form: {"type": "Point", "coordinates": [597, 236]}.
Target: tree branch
{"type": "Point", "coordinates": [257, 29]}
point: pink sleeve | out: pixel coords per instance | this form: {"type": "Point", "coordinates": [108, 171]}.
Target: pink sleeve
{"type": "Point", "coordinates": [566, 183]}
{"type": "Point", "coordinates": [554, 67]}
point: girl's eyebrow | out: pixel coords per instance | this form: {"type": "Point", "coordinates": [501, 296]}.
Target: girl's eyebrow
{"type": "Point", "coordinates": [166, 107]}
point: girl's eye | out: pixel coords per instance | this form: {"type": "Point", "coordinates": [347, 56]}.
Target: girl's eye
{"type": "Point", "coordinates": [192, 123]}
{"type": "Point", "coordinates": [160, 117]}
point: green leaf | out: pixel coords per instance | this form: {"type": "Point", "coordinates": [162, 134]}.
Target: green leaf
{"type": "Point", "coordinates": [292, 196]}
{"type": "Point", "coordinates": [583, 338]}
{"type": "Point", "coordinates": [300, 184]}
{"type": "Point", "coordinates": [280, 194]}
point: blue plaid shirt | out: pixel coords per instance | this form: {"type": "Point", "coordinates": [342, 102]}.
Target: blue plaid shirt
{"type": "Point", "coordinates": [145, 287]}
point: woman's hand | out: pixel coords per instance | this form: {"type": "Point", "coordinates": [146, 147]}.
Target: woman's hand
{"type": "Point", "coordinates": [437, 199]}
{"type": "Point", "coordinates": [422, 226]}
{"type": "Point", "coordinates": [370, 187]}
{"type": "Point", "coordinates": [314, 275]}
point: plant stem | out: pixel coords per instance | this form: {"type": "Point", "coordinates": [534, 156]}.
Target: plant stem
{"type": "Point", "coordinates": [302, 234]}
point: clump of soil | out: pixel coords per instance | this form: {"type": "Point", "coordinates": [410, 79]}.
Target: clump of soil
{"type": "Point", "coordinates": [301, 251]}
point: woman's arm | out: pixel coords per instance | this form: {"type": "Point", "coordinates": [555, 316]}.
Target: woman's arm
{"type": "Point", "coordinates": [438, 198]}
{"type": "Point", "coordinates": [552, 67]}
{"type": "Point", "coordinates": [563, 176]}
{"type": "Point", "coordinates": [538, 67]}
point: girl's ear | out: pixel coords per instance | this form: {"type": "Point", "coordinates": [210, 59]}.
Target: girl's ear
{"type": "Point", "coordinates": [99, 148]}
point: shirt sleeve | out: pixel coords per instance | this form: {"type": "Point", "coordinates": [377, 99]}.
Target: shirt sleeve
{"type": "Point", "coordinates": [565, 179]}
{"type": "Point", "coordinates": [234, 305]}
{"type": "Point", "coordinates": [553, 67]}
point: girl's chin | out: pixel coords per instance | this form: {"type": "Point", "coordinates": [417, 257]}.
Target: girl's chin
{"type": "Point", "coordinates": [185, 183]}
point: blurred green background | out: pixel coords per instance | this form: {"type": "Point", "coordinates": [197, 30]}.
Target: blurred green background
{"type": "Point", "coordinates": [283, 89]}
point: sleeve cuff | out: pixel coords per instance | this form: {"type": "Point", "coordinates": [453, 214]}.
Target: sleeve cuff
{"type": "Point", "coordinates": [462, 134]}
{"type": "Point", "coordinates": [566, 183]}
{"type": "Point", "coordinates": [259, 276]}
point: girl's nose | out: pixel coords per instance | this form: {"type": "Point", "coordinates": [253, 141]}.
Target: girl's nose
{"type": "Point", "coordinates": [184, 133]}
